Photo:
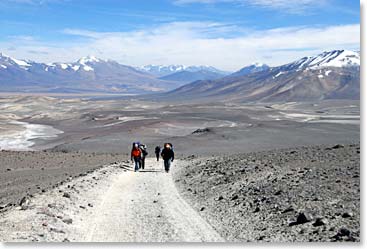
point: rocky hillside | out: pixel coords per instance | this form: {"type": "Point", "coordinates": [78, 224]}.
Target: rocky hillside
{"type": "Point", "coordinates": [330, 75]}
{"type": "Point", "coordinates": [302, 194]}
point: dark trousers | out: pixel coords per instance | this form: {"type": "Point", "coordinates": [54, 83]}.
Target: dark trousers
{"type": "Point", "coordinates": [157, 155]}
{"type": "Point", "coordinates": [143, 163]}
{"type": "Point", "coordinates": [167, 164]}
{"type": "Point", "coordinates": [137, 161]}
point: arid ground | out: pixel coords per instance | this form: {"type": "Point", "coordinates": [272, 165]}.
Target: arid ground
{"type": "Point", "coordinates": [51, 144]}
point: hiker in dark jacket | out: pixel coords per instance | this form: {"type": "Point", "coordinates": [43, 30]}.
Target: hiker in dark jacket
{"type": "Point", "coordinates": [136, 156]}
{"type": "Point", "coordinates": [157, 152]}
{"type": "Point", "coordinates": [168, 156]}
{"type": "Point", "coordinates": [144, 153]}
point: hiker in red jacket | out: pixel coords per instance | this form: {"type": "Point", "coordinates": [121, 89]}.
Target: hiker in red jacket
{"type": "Point", "coordinates": [136, 154]}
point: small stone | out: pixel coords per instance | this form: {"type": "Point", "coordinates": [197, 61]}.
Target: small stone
{"type": "Point", "coordinates": [202, 209]}
{"type": "Point", "coordinates": [155, 201]}
{"type": "Point", "coordinates": [257, 209]}
{"type": "Point", "coordinates": [68, 221]}
{"type": "Point", "coordinates": [56, 230]}
{"type": "Point", "coordinates": [278, 192]}
{"type": "Point", "coordinates": [338, 146]}
{"type": "Point", "coordinates": [235, 197]}
{"type": "Point", "coordinates": [90, 205]}
{"type": "Point", "coordinates": [347, 215]}
{"type": "Point", "coordinates": [344, 232]}
{"type": "Point", "coordinates": [66, 195]}
{"type": "Point", "coordinates": [82, 207]}
{"type": "Point", "coordinates": [66, 240]}
{"type": "Point", "coordinates": [24, 201]}
{"type": "Point", "coordinates": [289, 209]}
{"type": "Point", "coordinates": [219, 198]}
{"type": "Point", "coordinates": [303, 218]}
{"type": "Point", "coordinates": [319, 222]}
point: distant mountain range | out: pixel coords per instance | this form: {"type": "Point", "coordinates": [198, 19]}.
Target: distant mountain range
{"type": "Point", "coordinates": [330, 75]}
{"type": "Point", "coordinates": [91, 74]}
{"type": "Point", "coordinates": [333, 74]}
{"type": "Point", "coordinates": [164, 70]}
{"type": "Point", "coordinates": [88, 74]}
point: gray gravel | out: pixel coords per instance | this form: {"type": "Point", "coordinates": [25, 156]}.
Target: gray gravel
{"type": "Point", "coordinates": [27, 173]}
{"type": "Point", "coordinates": [302, 194]}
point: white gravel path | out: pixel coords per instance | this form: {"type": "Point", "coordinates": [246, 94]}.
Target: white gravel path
{"type": "Point", "coordinates": [112, 204]}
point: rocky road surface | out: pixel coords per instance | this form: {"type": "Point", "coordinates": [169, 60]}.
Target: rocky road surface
{"type": "Point", "coordinates": [301, 194]}
{"type": "Point", "coordinates": [25, 173]}
{"type": "Point", "coordinates": [110, 204]}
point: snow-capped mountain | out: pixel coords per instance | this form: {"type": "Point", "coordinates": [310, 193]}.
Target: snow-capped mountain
{"type": "Point", "coordinates": [329, 75]}
{"type": "Point", "coordinates": [86, 74]}
{"type": "Point", "coordinates": [6, 61]}
{"type": "Point", "coordinates": [163, 70]}
{"type": "Point", "coordinates": [253, 68]}
{"type": "Point", "coordinates": [335, 58]}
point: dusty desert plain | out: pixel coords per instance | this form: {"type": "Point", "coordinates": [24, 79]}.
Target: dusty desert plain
{"type": "Point", "coordinates": [243, 171]}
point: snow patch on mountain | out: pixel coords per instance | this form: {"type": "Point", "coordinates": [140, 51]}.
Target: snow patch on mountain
{"type": "Point", "coordinates": [163, 70]}
{"type": "Point", "coordinates": [335, 58]}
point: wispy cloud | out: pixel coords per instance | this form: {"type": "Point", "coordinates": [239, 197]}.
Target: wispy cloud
{"type": "Point", "coordinates": [298, 6]}
{"type": "Point", "coordinates": [33, 2]}
{"type": "Point", "coordinates": [193, 43]}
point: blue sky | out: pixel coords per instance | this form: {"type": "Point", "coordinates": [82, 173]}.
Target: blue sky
{"type": "Point", "coordinates": [224, 33]}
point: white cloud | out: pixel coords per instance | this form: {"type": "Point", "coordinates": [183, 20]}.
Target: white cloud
{"type": "Point", "coordinates": [192, 43]}
{"type": "Point", "coordinates": [298, 6]}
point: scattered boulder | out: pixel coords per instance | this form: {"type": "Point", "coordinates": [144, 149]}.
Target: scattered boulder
{"type": "Point", "coordinates": [319, 222]}
{"type": "Point", "coordinates": [202, 209]}
{"type": "Point", "coordinates": [347, 215]}
{"type": "Point", "coordinates": [337, 146]}
{"type": "Point", "coordinates": [301, 219]}
{"type": "Point", "coordinates": [66, 195]}
{"type": "Point", "coordinates": [278, 192]}
{"type": "Point", "coordinates": [205, 130]}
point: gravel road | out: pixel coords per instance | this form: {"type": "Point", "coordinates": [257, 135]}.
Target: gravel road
{"type": "Point", "coordinates": [112, 204]}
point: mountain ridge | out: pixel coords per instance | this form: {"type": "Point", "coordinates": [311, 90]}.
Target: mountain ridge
{"type": "Point", "coordinates": [333, 74]}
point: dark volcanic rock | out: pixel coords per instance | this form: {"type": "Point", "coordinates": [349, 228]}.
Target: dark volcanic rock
{"type": "Point", "coordinates": [205, 130]}
{"type": "Point", "coordinates": [301, 219]}
{"type": "Point", "coordinates": [319, 222]}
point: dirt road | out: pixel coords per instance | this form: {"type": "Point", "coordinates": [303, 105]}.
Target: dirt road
{"type": "Point", "coordinates": [113, 204]}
